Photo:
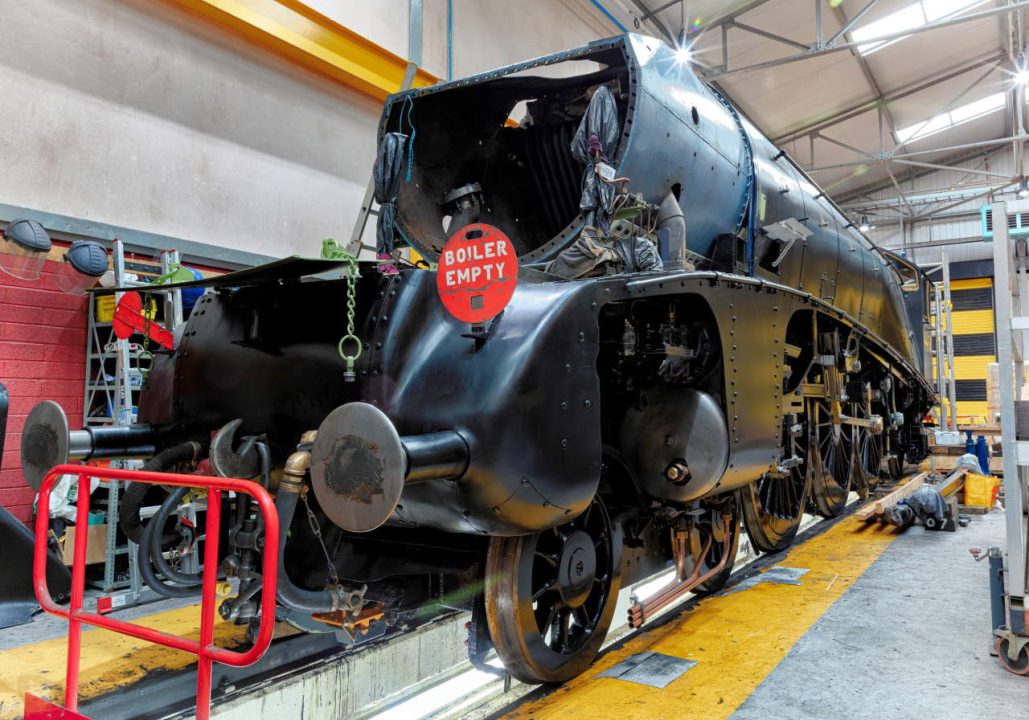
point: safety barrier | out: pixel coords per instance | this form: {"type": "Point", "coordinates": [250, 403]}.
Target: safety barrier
{"type": "Point", "coordinates": [207, 653]}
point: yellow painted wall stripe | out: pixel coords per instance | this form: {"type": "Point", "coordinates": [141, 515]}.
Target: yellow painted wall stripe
{"type": "Point", "coordinates": [969, 322]}
{"type": "Point", "coordinates": [294, 31]}
{"type": "Point", "coordinates": [971, 367]}
{"type": "Point", "coordinates": [971, 284]}
{"type": "Point", "coordinates": [737, 639]}
{"type": "Point", "coordinates": [109, 660]}
{"type": "Point", "coordinates": [973, 411]}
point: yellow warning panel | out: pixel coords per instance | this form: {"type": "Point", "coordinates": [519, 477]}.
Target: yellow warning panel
{"type": "Point", "coordinates": [736, 639]}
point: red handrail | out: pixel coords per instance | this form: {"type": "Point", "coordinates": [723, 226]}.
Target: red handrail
{"type": "Point", "coordinates": [206, 652]}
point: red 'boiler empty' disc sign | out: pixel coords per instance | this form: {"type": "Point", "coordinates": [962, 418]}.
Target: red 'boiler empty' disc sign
{"type": "Point", "coordinates": [477, 274]}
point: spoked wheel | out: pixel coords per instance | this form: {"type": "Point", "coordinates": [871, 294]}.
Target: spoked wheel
{"type": "Point", "coordinates": [711, 530]}
{"type": "Point", "coordinates": [1018, 666]}
{"type": "Point", "coordinates": [550, 596]}
{"type": "Point", "coordinates": [869, 448]}
{"type": "Point", "coordinates": [773, 506]}
{"type": "Point", "coordinates": [832, 445]}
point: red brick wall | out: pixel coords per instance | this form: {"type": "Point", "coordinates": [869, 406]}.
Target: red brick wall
{"type": "Point", "coordinates": [42, 357]}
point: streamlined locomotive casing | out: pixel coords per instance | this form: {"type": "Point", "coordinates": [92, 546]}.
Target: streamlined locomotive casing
{"type": "Point", "coordinates": [644, 416]}
{"type": "Point", "coordinates": [526, 398]}
{"type": "Point", "coordinates": [526, 402]}
{"type": "Point", "coordinates": [678, 135]}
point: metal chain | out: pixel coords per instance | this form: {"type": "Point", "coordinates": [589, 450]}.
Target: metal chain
{"type": "Point", "coordinates": [317, 530]}
{"type": "Point", "coordinates": [331, 250]}
{"type": "Point", "coordinates": [144, 352]}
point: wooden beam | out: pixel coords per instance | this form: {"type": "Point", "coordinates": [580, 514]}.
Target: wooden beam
{"type": "Point", "coordinates": [875, 510]}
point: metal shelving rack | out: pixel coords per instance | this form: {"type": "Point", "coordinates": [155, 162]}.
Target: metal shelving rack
{"type": "Point", "coordinates": [117, 390]}
{"type": "Point", "coordinates": [1011, 300]}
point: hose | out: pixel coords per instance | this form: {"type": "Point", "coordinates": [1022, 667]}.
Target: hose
{"type": "Point", "coordinates": [132, 500]}
{"type": "Point", "coordinates": [288, 594]}
{"type": "Point", "coordinates": [156, 555]}
{"type": "Point", "coordinates": [150, 577]}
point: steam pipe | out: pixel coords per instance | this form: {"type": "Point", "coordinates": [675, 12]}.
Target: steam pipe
{"type": "Point", "coordinates": [288, 594]}
{"type": "Point", "coordinates": [671, 217]}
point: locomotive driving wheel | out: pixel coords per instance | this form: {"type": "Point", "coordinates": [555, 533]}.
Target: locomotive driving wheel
{"type": "Point", "coordinates": [550, 596]}
{"type": "Point", "coordinates": [773, 506]}
{"type": "Point", "coordinates": [869, 446]}
{"type": "Point", "coordinates": [832, 445]}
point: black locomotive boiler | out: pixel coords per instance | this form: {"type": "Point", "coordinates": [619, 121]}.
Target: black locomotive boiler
{"type": "Point", "coordinates": [699, 340]}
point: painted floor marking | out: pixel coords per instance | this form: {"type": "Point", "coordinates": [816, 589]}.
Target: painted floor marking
{"type": "Point", "coordinates": [737, 639]}
{"type": "Point", "coordinates": [109, 660]}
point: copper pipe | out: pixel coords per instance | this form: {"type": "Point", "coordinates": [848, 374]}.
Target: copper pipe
{"type": "Point", "coordinates": [641, 611]}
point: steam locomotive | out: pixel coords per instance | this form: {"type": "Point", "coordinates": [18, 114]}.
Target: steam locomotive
{"type": "Point", "coordinates": [614, 420]}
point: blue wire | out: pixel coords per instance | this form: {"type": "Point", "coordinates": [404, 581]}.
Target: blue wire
{"type": "Point", "coordinates": [408, 104]}
{"type": "Point", "coordinates": [612, 18]}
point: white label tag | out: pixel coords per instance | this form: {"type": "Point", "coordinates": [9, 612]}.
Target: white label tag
{"type": "Point", "coordinates": [605, 171]}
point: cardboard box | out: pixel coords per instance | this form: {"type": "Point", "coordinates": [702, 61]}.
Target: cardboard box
{"type": "Point", "coordinates": [96, 544]}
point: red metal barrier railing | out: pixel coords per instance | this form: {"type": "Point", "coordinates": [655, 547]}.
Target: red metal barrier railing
{"type": "Point", "coordinates": [207, 653]}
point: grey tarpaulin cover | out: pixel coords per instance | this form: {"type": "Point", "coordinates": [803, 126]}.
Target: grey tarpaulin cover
{"type": "Point", "coordinates": [388, 162]}
{"type": "Point", "coordinates": [596, 139]}
{"type": "Point", "coordinates": [925, 502]}
{"type": "Point", "coordinates": [637, 254]}
{"type": "Point", "coordinates": [970, 462]}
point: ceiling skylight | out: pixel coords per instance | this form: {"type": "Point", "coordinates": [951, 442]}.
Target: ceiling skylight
{"type": "Point", "coordinates": [955, 116]}
{"type": "Point", "coordinates": [909, 18]}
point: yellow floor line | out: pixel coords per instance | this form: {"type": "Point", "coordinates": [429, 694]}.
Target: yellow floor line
{"type": "Point", "coordinates": [109, 660]}
{"type": "Point", "coordinates": [737, 639]}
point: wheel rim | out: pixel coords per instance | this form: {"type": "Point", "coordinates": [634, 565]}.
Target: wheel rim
{"type": "Point", "coordinates": [550, 596]}
{"type": "Point", "coordinates": [1019, 666]}
{"type": "Point", "coordinates": [832, 461]}
{"type": "Point", "coordinates": [773, 506]}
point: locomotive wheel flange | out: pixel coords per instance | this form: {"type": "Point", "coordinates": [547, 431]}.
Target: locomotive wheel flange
{"type": "Point", "coordinates": [550, 596]}
{"type": "Point", "coordinates": [773, 506]}
{"type": "Point", "coordinates": [832, 465]}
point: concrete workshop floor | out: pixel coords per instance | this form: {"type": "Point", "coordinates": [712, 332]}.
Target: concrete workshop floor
{"type": "Point", "coordinates": [883, 624]}
{"type": "Point", "coordinates": [909, 639]}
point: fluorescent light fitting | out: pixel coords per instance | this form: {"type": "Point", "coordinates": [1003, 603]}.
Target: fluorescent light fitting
{"type": "Point", "coordinates": [1023, 189]}
{"type": "Point", "coordinates": [864, 226]}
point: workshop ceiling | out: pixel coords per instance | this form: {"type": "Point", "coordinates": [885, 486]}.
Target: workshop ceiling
{"type": "Point", "coordinates": [937, 88]}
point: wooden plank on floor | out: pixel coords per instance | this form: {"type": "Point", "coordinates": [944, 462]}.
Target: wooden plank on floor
{"type": "Point", "coordinates": [877, 508]}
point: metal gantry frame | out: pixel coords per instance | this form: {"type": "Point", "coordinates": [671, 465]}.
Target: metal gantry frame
{"type": "Point", "coordinates": [943, 350]}
{"type": "Point", "coordinates": [1011, 303]}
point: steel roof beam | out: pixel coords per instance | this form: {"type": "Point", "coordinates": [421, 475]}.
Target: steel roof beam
{"type": "Point", "coordinates": [825, 50]}
{"type": "Point", "coordinates": [871, 104]}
